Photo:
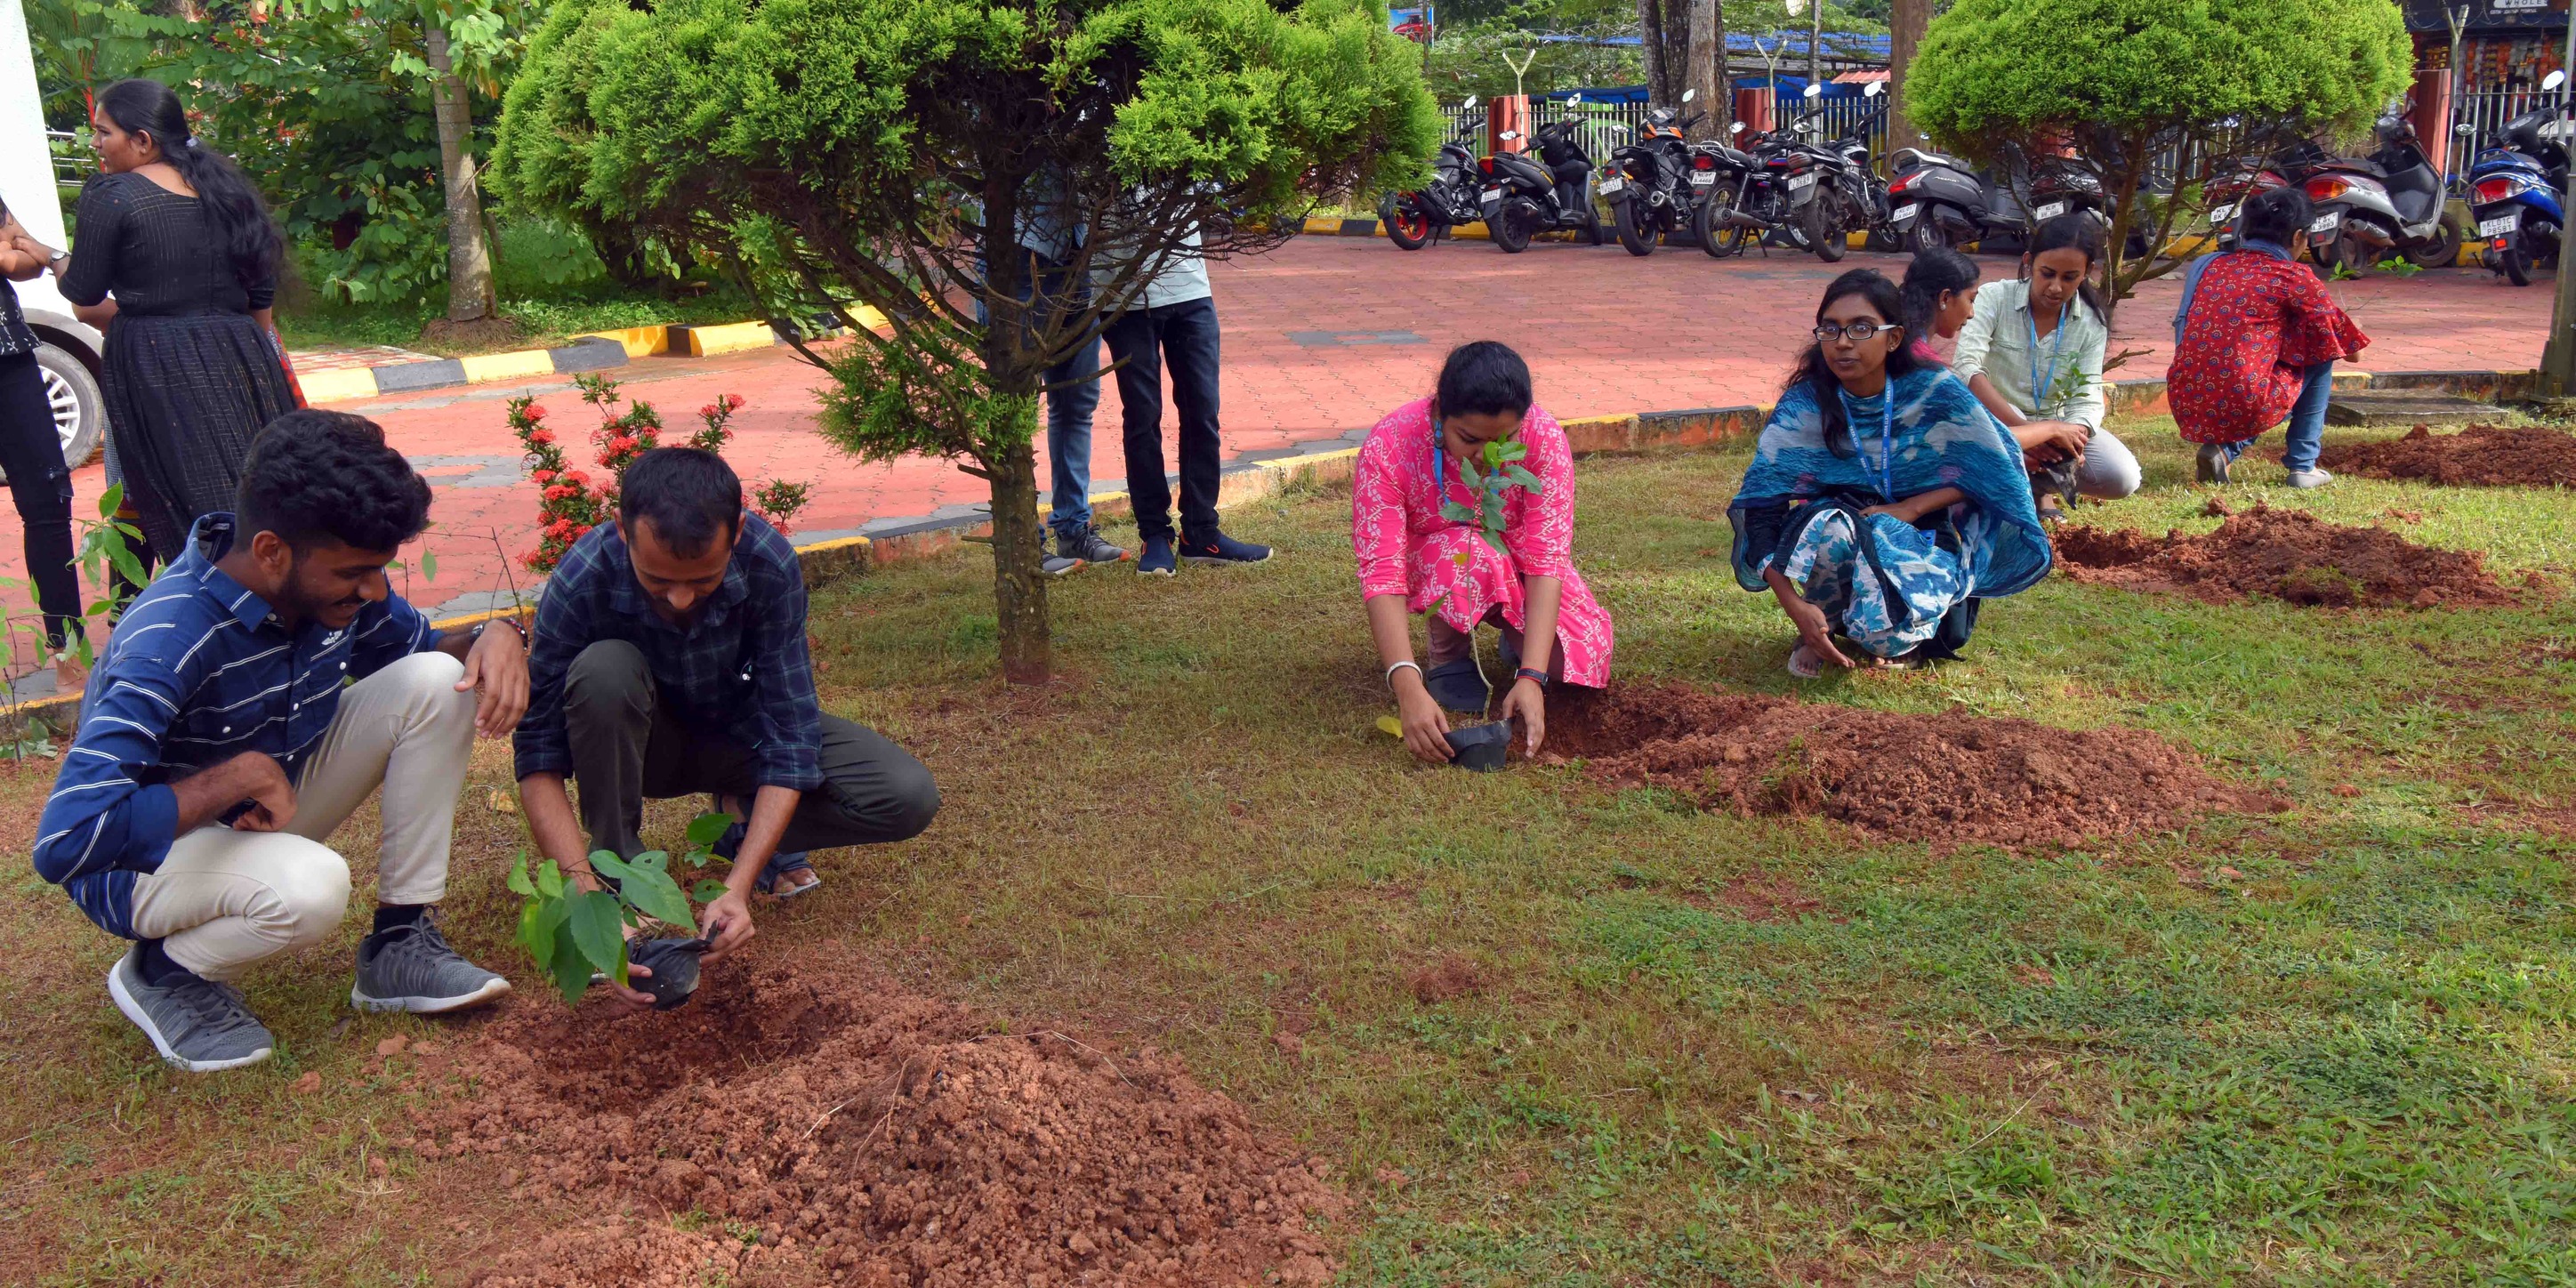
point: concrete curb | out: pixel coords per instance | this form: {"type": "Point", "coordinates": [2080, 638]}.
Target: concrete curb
{"type": "Point", "coordinates": [589, 351]}
{"type": "Point", "coordinates": [904, 540]}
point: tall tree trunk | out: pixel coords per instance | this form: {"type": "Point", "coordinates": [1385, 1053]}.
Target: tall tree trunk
{"type": "Point", "coordinates": [1019, 548]}
{"type": "Point", "coordinates": [1707, 63]}
{"type": "Point", "coordinates": [469, 261]}
{"type": "Point", "coordinates": [1650, 40]}
{"type": "Point", "coordinates": [1906, 23]}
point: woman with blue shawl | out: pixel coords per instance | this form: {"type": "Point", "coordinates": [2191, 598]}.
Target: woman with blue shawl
{"type": "Point", "coordinates": [1883, 500]}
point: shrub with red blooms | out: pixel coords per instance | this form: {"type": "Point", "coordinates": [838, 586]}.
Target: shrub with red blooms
{"type": "Point", "coordinates": [570, 503]}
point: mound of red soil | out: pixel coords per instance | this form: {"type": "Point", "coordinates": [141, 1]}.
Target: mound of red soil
{"type": "Point", "coordinates": [2479, 456]}
{"type": "Point", "coordinates": [2287, 554]}
{"type": "Point", "coordinates": [790, 1130]}
{"type": "Point", "coordinates": [1948, 778]}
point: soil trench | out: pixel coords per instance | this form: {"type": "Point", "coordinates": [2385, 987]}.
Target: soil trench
{"type": "Point", "coordinates": [2479, 456]}
{"type": "Point", "coordinates": [2284, 554]}
{"type": "Point", "coordinates": [1948, 778]}
{"type": "Point", "coordinates": [783, 1129]}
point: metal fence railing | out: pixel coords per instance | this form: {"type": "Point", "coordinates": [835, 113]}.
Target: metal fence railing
{"type": "Point", "coordinates": [2479, 117]}
{"type": "Point", "coordinates": [72, 162]}
{"type": "Point", "coordinates": [1608, 126]}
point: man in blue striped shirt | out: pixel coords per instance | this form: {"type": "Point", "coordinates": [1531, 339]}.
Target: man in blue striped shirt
{"type": "Point", "coordinates": [251, 698]}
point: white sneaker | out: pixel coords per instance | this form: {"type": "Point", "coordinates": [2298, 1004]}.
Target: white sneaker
{"type": "Point", "coordinates": [2310, 477]}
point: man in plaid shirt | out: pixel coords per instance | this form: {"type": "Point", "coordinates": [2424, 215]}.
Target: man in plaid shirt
{"type": "Point", "coordinates": [670, 660]}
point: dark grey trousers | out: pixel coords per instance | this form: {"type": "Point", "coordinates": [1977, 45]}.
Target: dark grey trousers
{"type": "Point", "coordinates": [627, 746]}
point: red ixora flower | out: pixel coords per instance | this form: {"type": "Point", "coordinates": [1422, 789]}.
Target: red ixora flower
{"type": "Point", "coordinates": [534, 413]}
{"type": "Point", "coordinates": [708, 410]}
{"type": "Point", "coordinates": [733, 402]}
{"type": "Point", "coordinates": [543, 476]}
{"type": "Point", "coordinates": [541, 437]}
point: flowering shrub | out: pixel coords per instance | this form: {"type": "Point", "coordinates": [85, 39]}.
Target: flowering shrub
{"type": "Point", "coordinates": [570, 503]}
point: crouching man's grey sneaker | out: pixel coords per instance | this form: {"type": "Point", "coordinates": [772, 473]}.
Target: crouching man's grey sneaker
{"type": "Point", "coordinates": [412, 968]}
{"type": "Point", "coordinates": [199, 1026]}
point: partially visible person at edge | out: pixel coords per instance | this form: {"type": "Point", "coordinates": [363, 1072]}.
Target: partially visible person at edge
{"type": "Point", "coordinates": [1939, 294]}
{"type": "Point", "coordinates": [2032, 353]}
{"type": "Point", "coordinates": [1052, 232]}
{"type": "Point", "coordinates": [2256, 338]}
{"type": "Point", "coordinates": [31, 451]}
{"type": "Point", "coordinates": [1413, 559]}
{"type": "Point", "coordinates": [1884, 501]}
{"type": "Point", "coordinates": [194, 366]}
{"type": "Point", "coordinates": [255, 694]}
{"type": "Point", "coordinates": [1171, 321]}
{"type": "Point", "coordinates": [670, 660]}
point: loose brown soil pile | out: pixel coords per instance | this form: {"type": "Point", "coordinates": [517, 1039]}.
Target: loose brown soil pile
{"type": "Point", "coordinates": [2288, 554]}
{"type": "Point", "coordinates": [787, 1130]}
{"type": "Point", "coordinates": [1953, 777]}
{"type": "Point", "coordinates": [2479, 456]}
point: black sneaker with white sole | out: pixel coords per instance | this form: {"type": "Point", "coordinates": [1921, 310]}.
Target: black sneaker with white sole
{"type": "Point", "coordinates": [1218, 548]}
{"type": "Point", "coordinates": [198, 1025]}
{"type": "Point", "coordinates": [412, 968]}
{"type": "Point", "coordinates": [1088, 546]}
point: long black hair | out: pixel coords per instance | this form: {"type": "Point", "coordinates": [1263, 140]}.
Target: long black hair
{"type": "Point", "coordinates": [1481, 378]}
{"type": "Point", "coordinates": [240, 218]}
{"type": "Point", "coordinates": [1882, 295]}
{"type": "Point", "coordinates": [2074, 230]}
{"type": "Point", "coordinates": [1933, 273]}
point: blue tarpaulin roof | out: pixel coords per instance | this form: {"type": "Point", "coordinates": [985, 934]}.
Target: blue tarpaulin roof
{"type": "Point", "coordinates": [1845, 46]}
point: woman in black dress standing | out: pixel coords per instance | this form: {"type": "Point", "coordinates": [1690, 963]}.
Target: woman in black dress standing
{"type": "Point", "coordinates": [194, 367]}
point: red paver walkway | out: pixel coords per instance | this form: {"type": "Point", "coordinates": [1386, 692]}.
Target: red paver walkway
{"type": "Point", "coordinates": [1325, 335]}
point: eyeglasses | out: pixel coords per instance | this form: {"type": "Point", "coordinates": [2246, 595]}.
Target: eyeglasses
{"type": "Point", "coordinates": [1856, 332]}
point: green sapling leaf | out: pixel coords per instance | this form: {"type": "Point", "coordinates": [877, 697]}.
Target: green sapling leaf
{"type": "Point", "coordinates": [598, 929]}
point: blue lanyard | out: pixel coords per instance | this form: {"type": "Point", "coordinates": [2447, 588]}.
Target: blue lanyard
{"type": "Point", "coordinates": [1886, 437]}
{"type": "Point", "coordinates": [2056, 345]}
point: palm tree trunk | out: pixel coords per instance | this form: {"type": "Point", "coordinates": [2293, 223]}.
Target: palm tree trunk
{"type": "Point", "coordinates": [469, 260]}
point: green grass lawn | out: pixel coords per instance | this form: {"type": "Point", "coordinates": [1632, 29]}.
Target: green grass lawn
{"type": "Point", "coordinates": [2328, 1046]}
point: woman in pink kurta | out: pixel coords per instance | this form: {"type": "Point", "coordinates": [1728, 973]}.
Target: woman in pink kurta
{"type": "Point", "coordinates": [1413, 560]}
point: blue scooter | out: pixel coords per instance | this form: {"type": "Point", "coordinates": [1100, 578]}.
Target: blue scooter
{"type": "Point", "coordinates": [2514, 190]}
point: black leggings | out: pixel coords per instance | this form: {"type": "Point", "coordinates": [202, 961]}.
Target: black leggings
{"type": "Point", "coordinates": [31, 451]}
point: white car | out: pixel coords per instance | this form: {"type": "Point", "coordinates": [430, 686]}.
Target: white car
{"type": "Point", "coordinates": [72, 352]}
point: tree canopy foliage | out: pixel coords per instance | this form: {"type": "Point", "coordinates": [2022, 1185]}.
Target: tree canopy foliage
{"type": "Point", "coordinates": [893, 152]}
{"type": "Point", "coordinates": [2212, 83]}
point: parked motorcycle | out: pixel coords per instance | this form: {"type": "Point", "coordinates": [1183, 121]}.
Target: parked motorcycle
{"type": "Point", "coordinates": [1654, 184]}
{"type": "Point", "coordinates": [1524, 197]}
{"type": "Point", "coordinates": [1416, 219]}
{"type": "Point", "coordinates": [2389, 203]}
{"type": "Point", "coordinates": [2515, 190]}
{"type": "Point", "coordinates": [1743, 201]}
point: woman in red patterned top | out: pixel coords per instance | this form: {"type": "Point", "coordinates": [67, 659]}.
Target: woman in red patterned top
{"type": "Point", "coordinates": [2255, 341]}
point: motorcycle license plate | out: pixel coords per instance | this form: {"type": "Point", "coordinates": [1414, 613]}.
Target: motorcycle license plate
{"type": "Point", "coordinates": [2326, 222]}
{"type": "Point", "coordinates": [1802, 182]}
{"type": "Point", "coordinates": [2050, 211]}
{"type": "Point", "coordinates": [1493, 197]}
{"type": "Point", "coordinates": [2218, 214]}
{"type": "Point", "coordinates": [2499, 225]}
{"type": "Point", "coordinates": [1703, 178]}
{"type": "Point", "coordinates": [1609, 186]}
{"type": "Point", "coordinates": [1906, 211]}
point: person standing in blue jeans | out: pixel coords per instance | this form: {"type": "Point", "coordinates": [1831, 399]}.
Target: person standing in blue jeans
{"type": "Point", "coordinates": [1052, 233]}
{"type": "Point", "coordinates": [1172, 323]}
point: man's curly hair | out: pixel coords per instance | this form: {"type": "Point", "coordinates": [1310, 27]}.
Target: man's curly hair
{"type": "Point", "coordinates": [316, 476]}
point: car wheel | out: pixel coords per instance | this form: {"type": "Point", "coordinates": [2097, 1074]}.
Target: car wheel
{"type": "Point", "coordinates": [79, 410]}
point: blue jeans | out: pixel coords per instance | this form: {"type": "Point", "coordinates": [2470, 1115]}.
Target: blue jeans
{"type": "Point", "coordinates": [2307, 421]}
{"type": "Point", "coordinates": [1184, 338]}
{"type": "Point", "coordinates": [1068, 409]}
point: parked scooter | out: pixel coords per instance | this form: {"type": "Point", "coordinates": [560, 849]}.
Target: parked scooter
{"type": "Point", "coordinates": [1416, 219]}
{"type": "Point", "coordinates": [2515, 190]}
{"type": "Point", "coordinates": [2390, 203]}
{"type": "Point", "coordinates": [1523, 197]}
{"type": "Point", "coordinates": [1654, 185]}
{"type": "Point", "coordinates": [1937, 201]}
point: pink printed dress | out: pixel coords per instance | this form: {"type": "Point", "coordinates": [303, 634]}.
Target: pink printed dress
{"type": "Point", "coordinates": [1406, 548]}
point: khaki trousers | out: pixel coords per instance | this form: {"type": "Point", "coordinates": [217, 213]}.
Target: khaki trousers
{"type": "Point", "coordinates": [224, 900]}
